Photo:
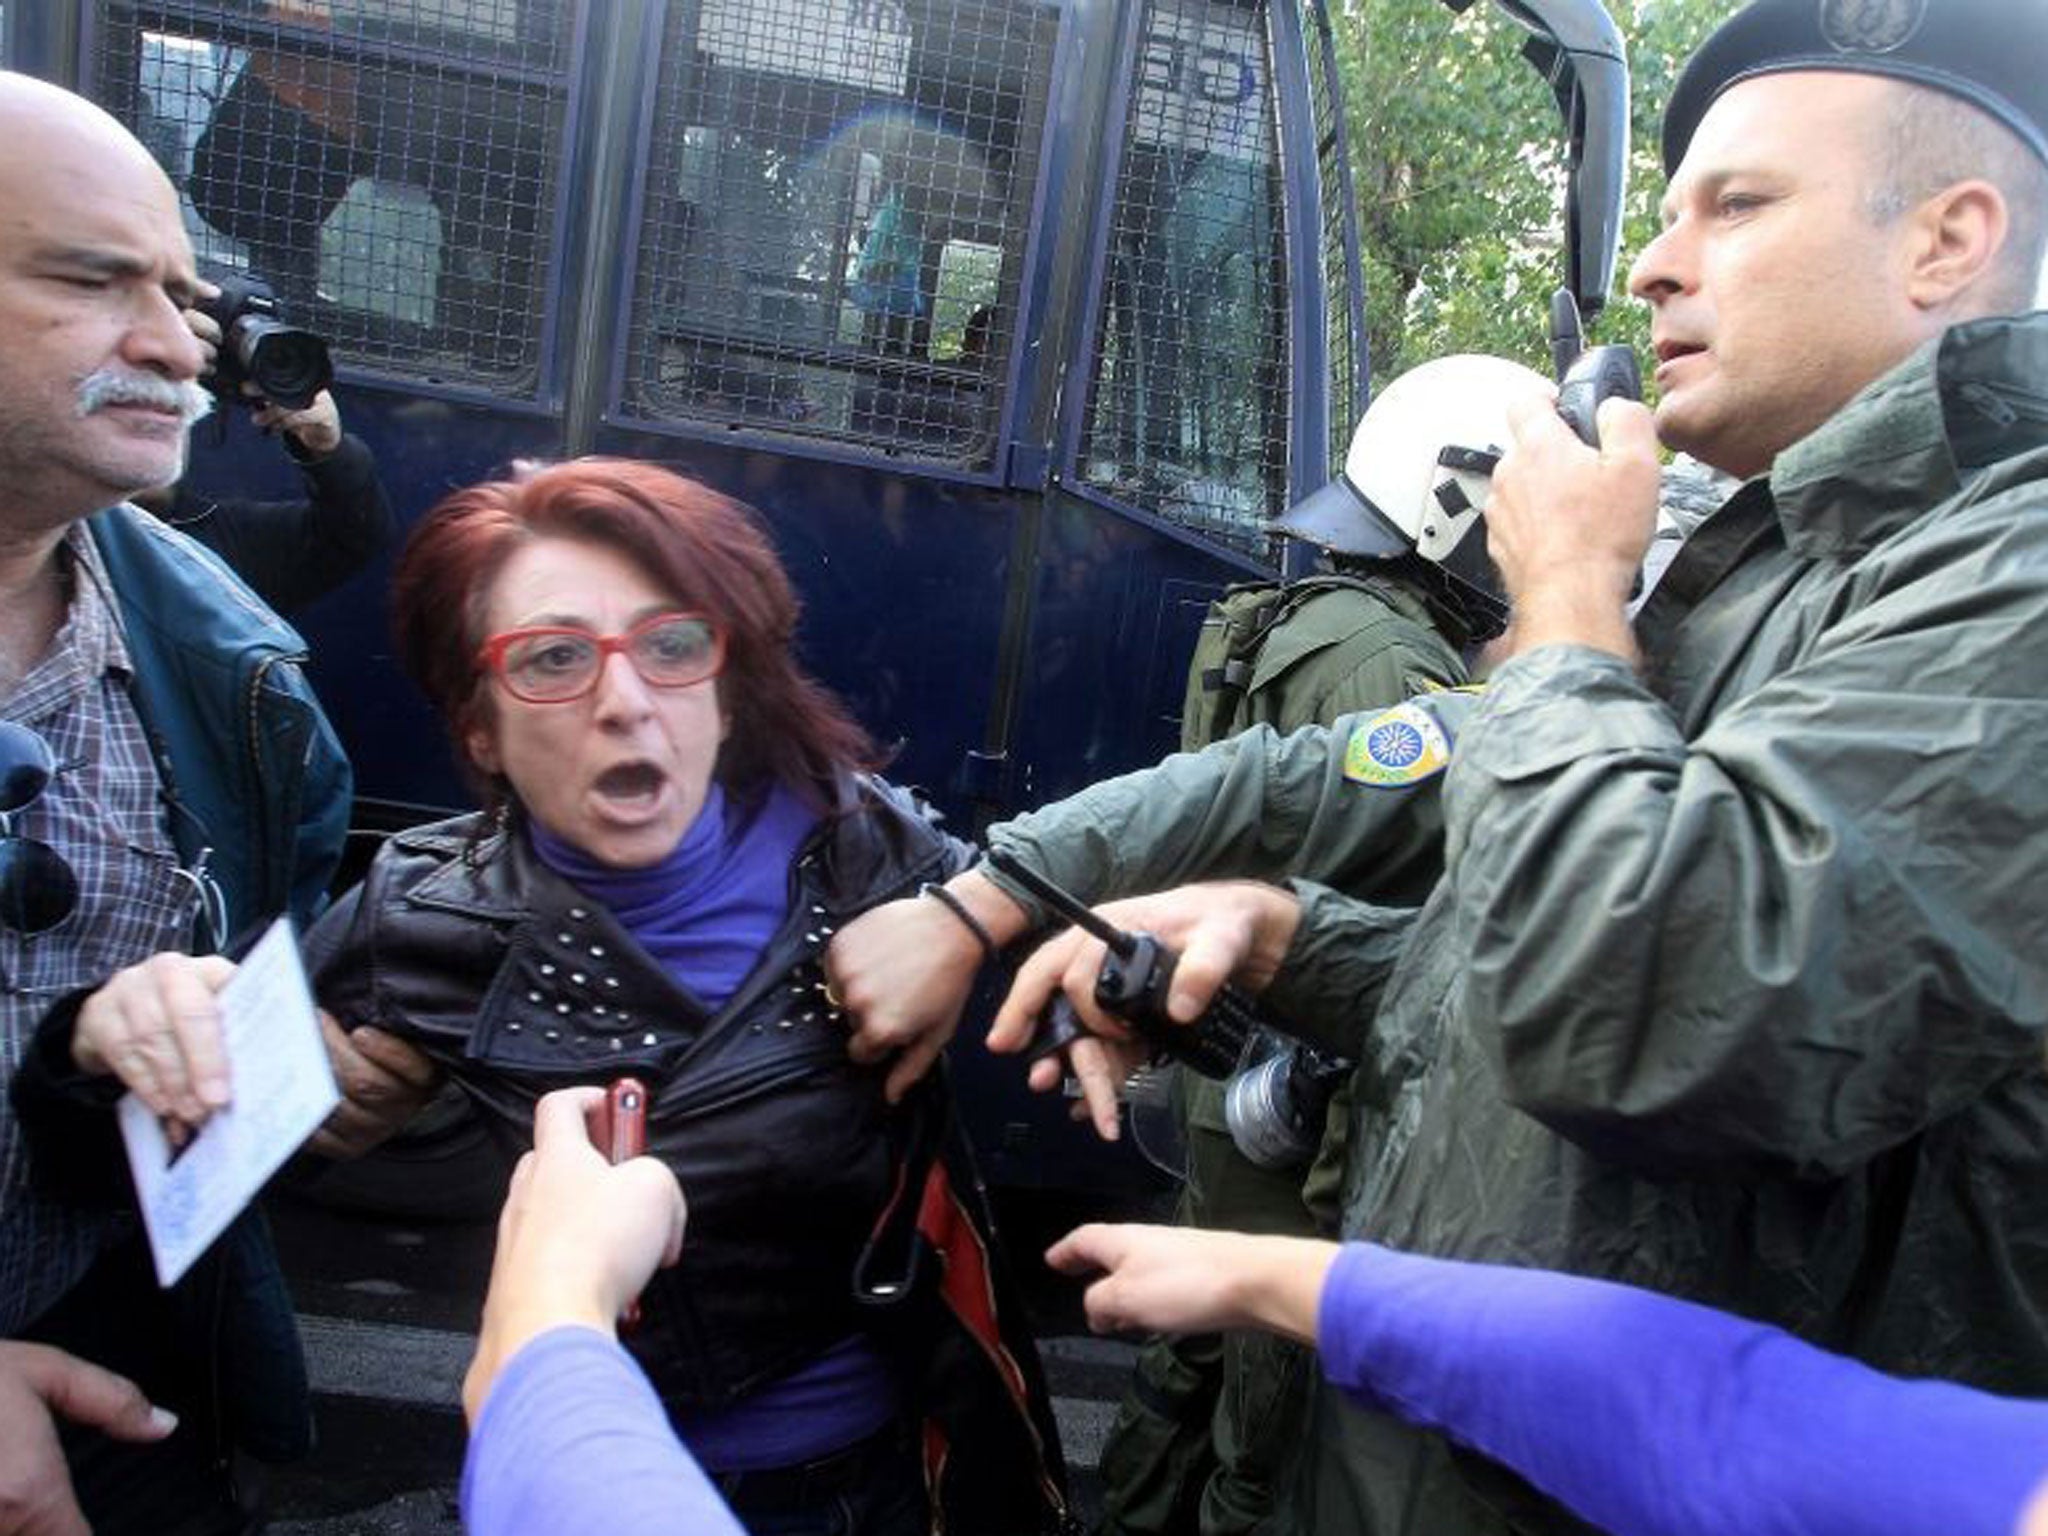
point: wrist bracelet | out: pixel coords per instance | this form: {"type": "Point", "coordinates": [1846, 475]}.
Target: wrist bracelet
{"type": "Point", "coordinates": [958, 908]}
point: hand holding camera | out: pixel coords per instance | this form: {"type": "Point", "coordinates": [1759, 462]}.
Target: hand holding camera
{"type": "Point", "coordinates": [280, 371]}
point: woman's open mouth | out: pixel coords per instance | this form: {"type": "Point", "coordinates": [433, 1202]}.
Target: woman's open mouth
{"type": "Point", "coordinates": [630, 785]}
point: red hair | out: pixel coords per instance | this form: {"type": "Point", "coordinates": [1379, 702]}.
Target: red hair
{"type": "Point", "coordinates": [706, 550]}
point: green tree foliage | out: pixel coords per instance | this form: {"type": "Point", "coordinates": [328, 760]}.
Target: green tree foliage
{"type": "Point", "coordinates": [1457, 153]}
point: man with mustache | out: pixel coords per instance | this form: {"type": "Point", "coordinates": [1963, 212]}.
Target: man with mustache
{"type": "Point", "coordinates": [166, 781]}
{"type": "Point", "coordinates": [1735, 983]}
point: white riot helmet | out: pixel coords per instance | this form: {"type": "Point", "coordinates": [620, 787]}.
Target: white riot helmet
{"type": "Point", "coordinates": [1418, 473]}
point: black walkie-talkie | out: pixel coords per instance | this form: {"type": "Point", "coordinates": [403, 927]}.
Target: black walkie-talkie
{"type": "Point", "coordinates": [1587, 375]}
{"type": "Point", "coordinates": [1132, 984]}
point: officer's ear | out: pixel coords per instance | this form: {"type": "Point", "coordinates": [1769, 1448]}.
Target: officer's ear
{"type": "Point", "coordinates": [1953, 243]}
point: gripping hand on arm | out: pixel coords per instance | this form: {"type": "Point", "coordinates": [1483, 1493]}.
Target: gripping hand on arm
{"type": "Point", "coordinates": [903, 970]}
{"type": "Point", "coordinates": [384, 1083]}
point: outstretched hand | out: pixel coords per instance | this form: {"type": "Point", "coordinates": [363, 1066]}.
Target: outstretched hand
{"type": "Point", "coordinates": [1182, 1280]}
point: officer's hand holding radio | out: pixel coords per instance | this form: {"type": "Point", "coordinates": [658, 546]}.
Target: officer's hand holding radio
{"type": "Point", "coordinates": [1235, 931]}
{"type": "Point", "coordinates": [1568, 525]}
{"type": "Point", "coordinates": [1574, 503]}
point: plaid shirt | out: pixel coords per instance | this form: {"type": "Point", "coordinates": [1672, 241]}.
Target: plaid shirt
{"type": "Point", "coordinates": [103, 812]}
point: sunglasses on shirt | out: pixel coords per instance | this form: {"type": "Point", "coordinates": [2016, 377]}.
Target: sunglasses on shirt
{"type": "Point", "coordinates": [38, 887]}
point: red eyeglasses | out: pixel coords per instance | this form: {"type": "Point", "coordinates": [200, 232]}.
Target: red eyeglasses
{"type": "Point", "coordinates": [552, 664]}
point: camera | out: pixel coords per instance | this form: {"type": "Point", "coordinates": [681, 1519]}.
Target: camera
{"type": "Point", "coordinates": [1275, 1107]}
{"type": "Point", "coordinates": [287, 366]}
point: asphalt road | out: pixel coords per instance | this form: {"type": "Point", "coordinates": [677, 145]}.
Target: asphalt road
{"type": "Point", "coordinates": [387, 1311]}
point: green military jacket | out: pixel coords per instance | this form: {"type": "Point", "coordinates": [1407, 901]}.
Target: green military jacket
{"type": "Point", "coordinates": [1257, 805]}
{"type": "Point", "coordinates": [1753, 947]}
{"type": "Point", "coordinates": [1339, 646]}
{"type": "Point", "coordinates": [1336, 645]}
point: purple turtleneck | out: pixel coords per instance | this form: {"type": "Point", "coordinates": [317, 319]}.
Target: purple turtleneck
{"type": "Point", "coordinates": [708, 909]}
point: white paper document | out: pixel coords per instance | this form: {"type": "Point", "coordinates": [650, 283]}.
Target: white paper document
{"type": "Point", "coordinates": [282, 1090]}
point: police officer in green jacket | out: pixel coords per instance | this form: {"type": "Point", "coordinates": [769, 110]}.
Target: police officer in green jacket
{"type": "Point", "coordinates": [1736, 978]}
{"type": "Point", "coordinates": [1209, 1419]}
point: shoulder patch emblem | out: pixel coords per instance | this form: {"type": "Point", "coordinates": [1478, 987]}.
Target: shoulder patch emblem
{"type": "Point", "coordinates": [1396, 747]}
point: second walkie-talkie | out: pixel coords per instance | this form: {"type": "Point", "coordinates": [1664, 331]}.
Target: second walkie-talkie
{"type": "Point", "coordinates": [1587, 375]}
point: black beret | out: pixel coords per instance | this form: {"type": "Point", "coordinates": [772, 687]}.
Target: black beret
{"type": "Point", "coordinates": [1992, 53]}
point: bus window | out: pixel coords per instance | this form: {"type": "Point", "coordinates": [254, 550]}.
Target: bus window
{"type": "Point", "coordinates": [380, 253]}
{"type": "Point", "coordinates": [1187, 411]}
{"type": "Point", "coordinates": [837, 198]}
{"type": "Point", "coordinates": [389, 167]}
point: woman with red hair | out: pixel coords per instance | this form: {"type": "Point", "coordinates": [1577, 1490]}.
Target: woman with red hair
{"type": "Point", "coordinates": [676, 819]}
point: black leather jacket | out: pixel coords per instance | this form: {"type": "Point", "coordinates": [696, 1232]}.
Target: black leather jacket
{"type": "Point", "coordinates": [518, 983]}
{"type": "Point", "coordinates": [812, 1203]}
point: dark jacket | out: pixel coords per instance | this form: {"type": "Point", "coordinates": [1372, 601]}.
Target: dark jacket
{"type": "Point", "coordinates": [293, 552]}
{"type": "Point", "coordinates": [797, 1172]}
{"type": "Point", "coordinates": [252, 769]}
{"type": "Point", "coordinates": [254, 777]}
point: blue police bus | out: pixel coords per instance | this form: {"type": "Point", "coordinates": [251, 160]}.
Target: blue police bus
{"type": "Point", "coordinates": [1016, 318]}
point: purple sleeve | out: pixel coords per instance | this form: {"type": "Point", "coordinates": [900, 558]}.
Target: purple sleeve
{"type": "Point", "coordinates": [1654, 1417]}
{"type": "Point", "coordinates": [573, 1440]}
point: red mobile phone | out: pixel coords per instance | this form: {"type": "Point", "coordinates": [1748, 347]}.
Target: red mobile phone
{"type": "Point", "coordinates": [625, 1120]}
{"type": "Point", "coordinates": [623, 1134]}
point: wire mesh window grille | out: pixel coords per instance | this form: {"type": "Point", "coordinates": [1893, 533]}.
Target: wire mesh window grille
{"type": "Point", "coordinates": [1187, 412]}
{"type": "Point", "coordinates": [835, 219]}
{"type": "Point", "coordinates": [389, 167]}
{"type": "Point", "coordinates": [1339, 233]}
